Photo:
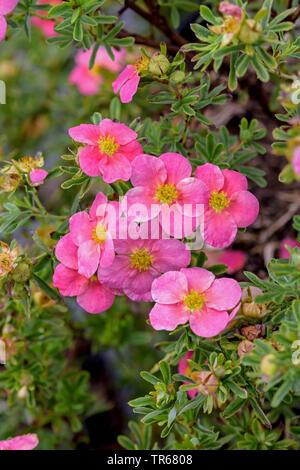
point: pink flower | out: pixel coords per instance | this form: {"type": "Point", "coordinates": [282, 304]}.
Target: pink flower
{"type": "Point", "coordinates": [184, 369]}
{"type": "Point", "coordinates": [194, 295]}
{"type": "Point", "coordinates": [296, 161]}
{"type": "Point", "coordinates": [128, 80]}
{"type": "Point", "coordinates": [90, 241]}
{"type": "Point", "coordinates": [6, 6]}
{"type": "Point", "coordinates": [109, 151]}
{"type": "Point", "coordinates": [88, 81]}
{"type": "Point", "coordinates": [228, 205]}
{"type": "Point", "coordinates": [139, 261]}
{"type": "Point", "coordinates": [38, 176]}
{"type": "Point", "coordinates": [25, 442]}
{"type": "Point", "coordinates": [163, 187]}
{"type": "Point", "coordinates": [46, 26]}
{"type": "Point", "coordinates": [292, 242]}
{"type": "Point", "coordinates": [229, 9]}
{"type": "Point", "coordinates": [90, 294]}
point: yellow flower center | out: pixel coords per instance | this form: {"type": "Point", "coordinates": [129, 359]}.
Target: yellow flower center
{"type": "Point", "coordinates": [108, 145]}
{"type": "Point", "coordinates": [141, 64]}
{"type": "Point", "coordinates": [231, 24]}
{"type": "Point", "coordinates": [166, 193]}
{"type": "Point", "coordinates": [5, 263]}
{"type": "Point", "coordinates": [99, 234]}
{"type": "Point", "coordinates": [141, 260]}
{"type": "Point", "coordinates": [218, 200]}
{"type": "Point", "coordinates": [194, 300]}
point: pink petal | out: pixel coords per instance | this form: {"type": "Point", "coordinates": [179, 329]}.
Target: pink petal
{"type": "Point", "coordinates": [296, 161]}
{"type": "Point", "coordinates": [219, 229]}
{"type": "Point", "coordinates": [168, 317]}
{"type": "Point", "coordinates": [235, 260]}
{"type": "Point", "coordinates": [170, 255]}
{"type": "Point", "coordinates": [148, 171]}
{"type": "Point", "coordinates": [127, 74]}
{"type": "Point", "coordinates": [169, 288]}
{"type": "Point", "coordinates": [88, 258]}
{"type": "Point", "coordinates": [244, 208]}
{"type": "Point", "coordinates": [129, 89]}
{"type": "Point", "coordinates": [141, 205]}
{"type": "Point", "coordinates": [175, 223]}
{"type": "Point", "coordinates": [132, 150]}
{"type": "Point", "coordinates": [223, 294]}
{"type": "Point", "coordinates": [234, 182]}
{"type": "Point", "coordinates": [68, 281]}
{"type": "Point", "coordinates": [198, 278]}
{"type": "Point", "coordinates": [183, 365]}
{"type": "Point", "coordinates": [25, 442]}
{"type": "Point", "coordinates": [86, 134]}
{"type": "Point", "coordinates": [115, 275]}
{"type": "Point", "coordinates": [6, 6]}
{"type": "Point", "coordinates": [37, 176]}
{"type": "Point", "coordinates": [284, 253]}
{"type": "Point", "coordinates": [107, 253]}
{"type": "Point", "coordinates": [100, 202]}
{"type": "Point", "coordinates": [81, 228]}
{"type": "Point", "coordinates": [193, 196]}
{"type": "Point", "coordinates": [211, 175]}
{"type": "Point", "coordinates": [147, 297]}
{"type": "Point", "coordinates": [208, 322]}
{"type": "Point", "coordinates": [122, 133]}
{"type": "Point", "coordinates": [178, 167]}
{"type": "Point", "coordinates": [3, 27]}
{"type": "Point", "coordinates": [66, 252]}
{"type": "Point", "coordinates": [89, 158]}
{"type": "Point", "coordinates": [96, 298]}
{"type": "Point", "coordinates": [115, 168]}
{"type": "Point", "coordinates": [230, 9]}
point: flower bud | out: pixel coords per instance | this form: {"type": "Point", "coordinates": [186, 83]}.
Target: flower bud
{"type": "Point", "coordinates": [267, 365]}
{"type": "Point", "coordinates": [9, 182]}
{"type": "Point", "coordinates": [245, 347]}
{"type": "Point", "coordinates": [207, 382]}
{"type": "Point", "coordinates": [250, 31]}
{"type": "Point", "coordinates": [177, 77]}
{"type": "Point", "coordinates": [159, 64]}
{"type": "Point", "coordinates": [22, 272]}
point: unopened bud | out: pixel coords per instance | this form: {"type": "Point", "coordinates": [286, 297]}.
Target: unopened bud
{"type": "Point", "coordinates": [267, 365]}
{"type": "Point", "coordinates": [252, 310]}
{"type": "Point", "coordinates": [177, 77]}
{"type": "Point", "coordinates": [159, 64]}
{"type": "Point", "coordinates": [250, 31]}
{"type": "Point", "coordinates": [22, 272]}
{"type": "Point", "coordinates": [245, 347]}
{"type": "Point", "coordinates": [207, 382]}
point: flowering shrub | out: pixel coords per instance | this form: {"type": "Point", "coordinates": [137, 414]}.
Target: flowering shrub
{"type": "Point", "coordinates": [138, 183]}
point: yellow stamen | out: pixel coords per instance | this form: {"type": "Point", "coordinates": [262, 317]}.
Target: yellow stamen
{"type": "Point", "coordinates": [99, 234]}
{"type": "Point", "coordinates": [231, 24]}
{"type": "Point", "coordinates": [108, 145]}
{"type": "Point", "coordinates": [166, 193]}
{"type": "Point", "coordinates": [194, 300]}
{"type": "Point", "coordinates": [141, 64]}
{"type": "Point", "coordinates": [218, 200]}
{"type": "Point", "coordinates": [6, 263]}
{"type": "Point", "coordinates": [141, 260]}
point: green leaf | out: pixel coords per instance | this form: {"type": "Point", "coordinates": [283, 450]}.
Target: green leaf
{"type": "Point", "coordinates": [149, 377]}
{"type": "Point", "coordinates": [78, 31]}
{"type": "Point", "coordinates": [208, 15]}
{"type": "Point", "coordinates": [45, 288]}
{"type": "Point", "coordinates": [125, 442]}
{"type": "Point", "coordinates": [165, 371]}
{"type": "Point", "coordinates": [281, 393]}
{"type": "Point", "coordinates": [259, 412]}
{"type": "Point", "coordinates": [233, 407]}
{"type": "Point", "coordinates": [260, 69]}
{"type": "Point", "coordinates": [115, 108]}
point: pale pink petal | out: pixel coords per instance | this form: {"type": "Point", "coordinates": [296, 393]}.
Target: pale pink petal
{"type": "Point", "coordinates": [229, 9]}
{"type": "Point", "coordinates": [96, 298]}
{"type": "Point", "coordinates": [88, 258]}
{"type": "Point", "coordinates": [140, 282]}
{"type": "Point", "coordinates": [127, 74]}
{"type": "Point", "coordinates": [141, 205]}
{"type": "Point", "coordinates": [234, 182]}
{"type": "Point", "coordinates": [211, 175]}
{"type": "Point", "coordinates": [3, 27]}
{"type": "Point", "coordinates": [208, 322]}
{"type": "Point", "coordinates": [99, 201]}
{"type": "Point", "coordinates": [6, 6]}
{"type": "Point", "coordinates": [118, 167]}
{"type": "Point", "coordinates": [147, 297]}
{"type": "Point", "coordinates": [235, 260]}
{"type": "Point", "coordinates": [170, 255]}
{"type": "Point", "coordinates": [68, 281]}
{"type": "Point", "coordinates": [169, 288]}
{"type": "Point", "coordinates": [193, 196]}
{"type": "Point", "coordinates": [129, 89]}
{"type": "Point", "coordinates": [296, 161]}
{"type": "Point", "coordinates": [38, 175]}
{"type": "Point", "coordinates": [168, 317]}
{"type": "Point", "coordinates": [219, 229]}
{"type": "Point", "coordinates": [81, 228]}
{"type": "Point", "coordinates": [89, 158]}
{"type": "Point", "coordinates": [243, 208]}
{"type": "Point", "coordinates": [198, 278]}
{"type": "Point", "coordinates": [66, 252]}
{"type": "Point", "coordinates": [178, 167]}
{"type": "Point", "coordinates": [175, 223]}
{"type": "Point", "coordinates": [25, 442]}
{"type": "Point", "coordinates": [107, 252]}
{"type": "Point", "coordinates": [122, 133]}
{"type": "Point", "coordinates": [86, 134]}
{"type": "Point", "coordinates": [223, 294]}
{"type": "Point", "coordinates": [148, 171]}
{"type": "Point", "coordinates": [115, 275]}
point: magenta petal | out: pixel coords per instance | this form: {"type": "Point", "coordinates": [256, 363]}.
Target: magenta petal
{"type": "Point", "coordinates": [122, 133]}
{"type": "Point", "coordinates": [170, 255]}
{"type": "Point", "coordinates": [132, 150]}
{"type": "Point", "coordinates": [96, 298]}
{"type": "Point", "coordinates": [208, 322]}
{"type": "Point", "coordinates": [140, 282]}
{"type": "Point", "coordinates": [88, 258]}
{"type": "Point", "coordinates": [244, 208]}
{"type": "Point", "coordinates": [178, 167]}
{"type": "Point", "coordinates": [3, 27]}
{"type": "Point", "coordinates": [118, 167]}
{"type": "Point", "coordinates": [66, 252]}
{"type": "Point", "coordinates": [38, 175]}
{"type": "Point", "coordinates": [68, 281]}
{"type": "Point", "coordinates": [296, 161]}
{"type": "Point", "coordinates": [89, 158]}
{"type": "Point", "coordinates": [115, 275]}
{"type": "Point", "coordinates": [219, 229]}
{"type": "Point", "coordinates": [223, 294]}
{"type": "Point", "coordinates": [129, 89]}
{"type": "Point", "coordinates": [128, 73]}
{"type": "Point", "coordinates": [169, 288]}
{"type": "Point", "coordinates": [25, 442]}
{"type": "Point", "coordinates": [168, 317]}
{"type": "Point", "coordinates": [81, 228]}
{"type": "Point", "coordinates": [148, 171]}
{"type": "Point", "coordinates": [198, 278]}
{"type": "Point", "coordinates": [234, 182]}
{"type": "Point", "coordinates": [211, 175]}
{"type": "Point", "coordinates": [85, 133]}
{"type": "Point", "coordinates": [6, 6]}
